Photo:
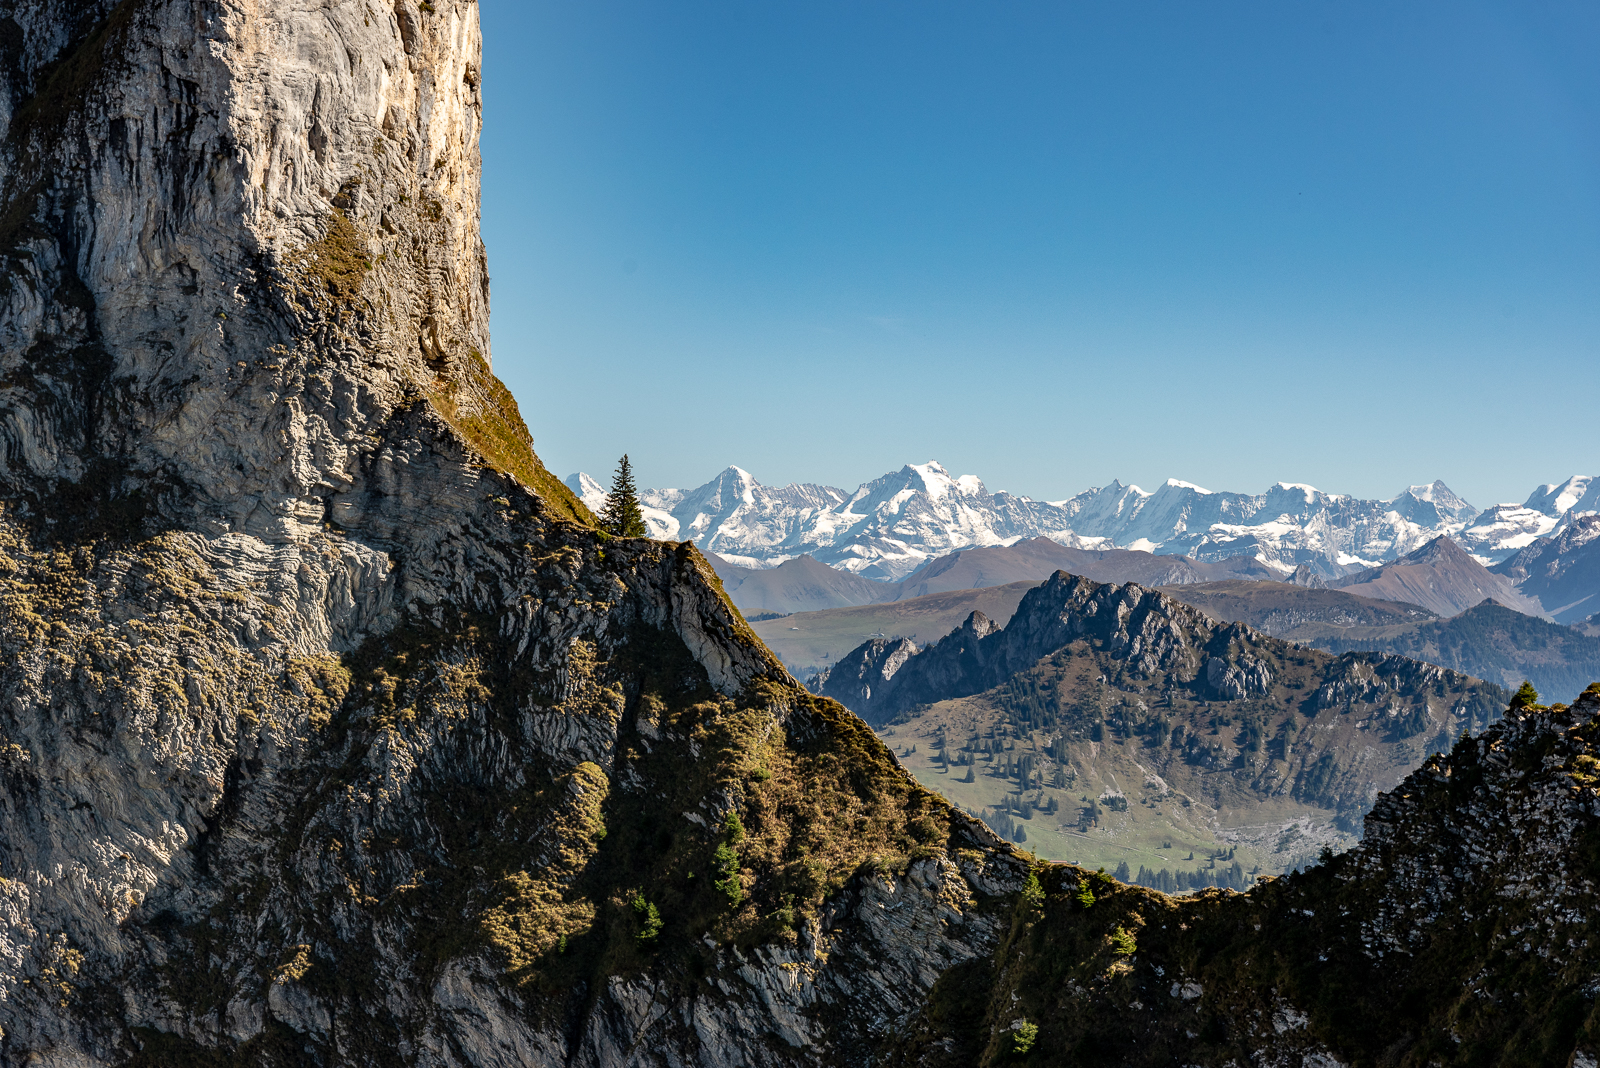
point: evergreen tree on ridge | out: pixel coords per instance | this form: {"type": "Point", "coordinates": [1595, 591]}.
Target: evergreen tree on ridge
{"type": "Point", "coordinates": [621, 517]}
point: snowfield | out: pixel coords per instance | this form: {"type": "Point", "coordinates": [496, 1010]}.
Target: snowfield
{"type": "Point", "coordinates": [889, 527]}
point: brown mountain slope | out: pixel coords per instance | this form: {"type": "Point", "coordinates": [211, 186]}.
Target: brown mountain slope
{"type": "Point", "coordinates": [808, 642]}
{"type": "Point", "coordinates": [1294, 612]}
{"type": "Point", "coordinates": [1039, 558]}
{"type": "Point", "coordinates": [1440, 577]}
{"type": "Point", "coordinates": [803, 584]}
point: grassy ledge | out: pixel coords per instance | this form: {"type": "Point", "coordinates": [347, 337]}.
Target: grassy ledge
{"type": "Point", "coordinates": [483, 411]}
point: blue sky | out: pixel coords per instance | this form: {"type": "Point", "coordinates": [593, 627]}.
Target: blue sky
{"type": "Point", "coordinates": [1050, 244]}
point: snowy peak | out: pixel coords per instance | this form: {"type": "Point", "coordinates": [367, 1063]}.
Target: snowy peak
{"type": "Point", "coordinates": [1576, 495]}
{"type": "Point", "coordinates": [1502, 530]}
{"type": "Point", "coordinates": [1432, 505]}
{"type": "Point", "coordinates": [1562, 571]}
{"type": "Point", "coordinates": [1181, 485]}
{"type": "Point", "coordinates": [590, 492]}
{"type": "Point", "coordinates": [930, 480]}
{"type": "Point", "coordinates": [888, 527]}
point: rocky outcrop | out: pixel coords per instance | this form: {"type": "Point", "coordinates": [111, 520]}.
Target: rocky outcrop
{"type": "Point", "coordinates": [331, 733]}
{"type": "Point", "coordinates": [1149, 632]}
{"type": "Point", "coordinates": [1103, 684]}
{"type": "Point", "coordinates": [1457, 933]}
{"type": "Point", "coordinates": [1148, 628]}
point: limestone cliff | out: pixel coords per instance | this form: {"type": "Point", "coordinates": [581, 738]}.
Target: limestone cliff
{"type": "Point", "coordinates": [331, 732]}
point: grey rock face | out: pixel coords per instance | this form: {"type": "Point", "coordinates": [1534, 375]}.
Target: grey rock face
{"type": "Point", "coordinates": [311, 715]}
{"type": "Point", "coordinates": [1150, 630]}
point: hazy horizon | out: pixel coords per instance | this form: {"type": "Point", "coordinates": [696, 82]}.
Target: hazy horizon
{"type": "Point", "coordinates": [1354, 247]}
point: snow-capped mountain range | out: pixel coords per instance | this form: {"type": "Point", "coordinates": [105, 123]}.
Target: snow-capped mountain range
{"type": "Point", "coordinates": [889, 527]}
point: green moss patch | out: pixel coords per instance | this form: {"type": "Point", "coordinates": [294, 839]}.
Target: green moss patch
{"type": "Point", "coordinates": [483, 411]}
{"type": "Point", "coordinates": [337, 261]}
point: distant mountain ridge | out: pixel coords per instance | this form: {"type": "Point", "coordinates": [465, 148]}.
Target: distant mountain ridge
{"type": "Point", "coordinates": [889, 527]}
{"type": "Point", "coordinates": [1441, 577]}
{"type": "Point", "coordinates": [804, 584]}
{"type": "Point", "coordinates": [1562, 570]}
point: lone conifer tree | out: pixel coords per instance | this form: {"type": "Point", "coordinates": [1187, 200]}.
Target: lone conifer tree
{"type": "Point", "coordinates": [1526, 697]}
{"type": "Point", "coordinates": [621, 516]}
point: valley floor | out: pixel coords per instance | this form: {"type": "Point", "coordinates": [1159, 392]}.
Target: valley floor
{"type": "Point", "coordinates": [1142, 821]}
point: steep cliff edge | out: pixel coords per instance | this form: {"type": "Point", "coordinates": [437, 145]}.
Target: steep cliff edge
{"type": "Point", "coordinates": [331, 733]}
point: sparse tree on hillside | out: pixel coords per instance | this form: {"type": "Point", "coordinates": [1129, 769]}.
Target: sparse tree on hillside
{"type": "Point", "coordinates": [622, 517]}
{"type": "Point", "coordinates": [1526, 696]}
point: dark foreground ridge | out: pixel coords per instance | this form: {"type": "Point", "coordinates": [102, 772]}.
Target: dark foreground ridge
{"type": "Point", "coordinates": [1460, 932]}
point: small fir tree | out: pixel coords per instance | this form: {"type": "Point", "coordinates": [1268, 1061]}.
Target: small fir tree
{"type": "Point", "coordinates": [621, 517]}
{"type": "Point", "coordinates": [1032, 893]}
{"type": "Point", "coordinates": [1526, 696]}
{"type": "Point", "coordinates": [649, 922]}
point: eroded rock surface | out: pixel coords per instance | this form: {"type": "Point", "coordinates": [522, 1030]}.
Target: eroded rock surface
{"type": "Point", "coordinates": [331, 733]}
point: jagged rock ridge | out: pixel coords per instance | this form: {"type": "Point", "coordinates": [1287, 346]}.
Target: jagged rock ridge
{"type": "Point", "coordinates": [1101, 688]}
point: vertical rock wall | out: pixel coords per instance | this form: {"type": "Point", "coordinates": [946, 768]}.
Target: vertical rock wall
{"type": "Point", "coordinates": [238, 237]}
{"type": "Point", "coordinates": [329, 732]}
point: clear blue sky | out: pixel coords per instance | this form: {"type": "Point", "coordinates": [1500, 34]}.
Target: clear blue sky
{"type": "Point", "coordinates": [1050, 244]}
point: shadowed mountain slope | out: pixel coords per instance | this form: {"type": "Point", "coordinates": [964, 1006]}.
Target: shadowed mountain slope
{"type": "Point", "coordinates": [1489, 641]}
{"type": "Point", "coordinates": [1561, 572]}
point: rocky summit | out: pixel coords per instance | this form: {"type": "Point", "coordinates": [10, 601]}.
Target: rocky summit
{"type": "Point", "coordinates": [332, 732]}
{"type": "Point", "coordinates": [1115, 723]}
